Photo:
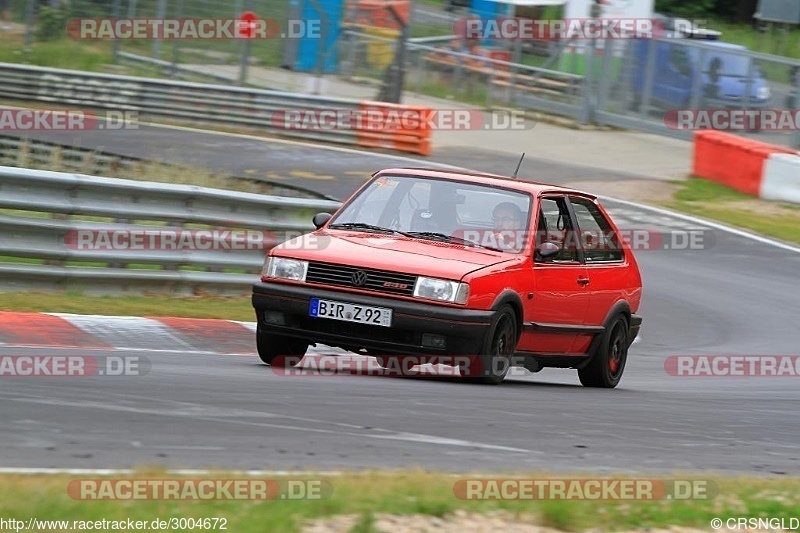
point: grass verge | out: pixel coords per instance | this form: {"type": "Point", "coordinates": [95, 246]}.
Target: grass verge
{"type": "Point", "coordinates": [403, 493]}
{"type": "Point", "coordinates": [718, 202]}
{"type": "Point", "coordinates": [204, 306]}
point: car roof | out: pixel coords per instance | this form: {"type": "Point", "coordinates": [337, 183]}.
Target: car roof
{"type": "Point", "coordinates": [520, 184]}
{"type": "Point", "coordinates": [728, 46]}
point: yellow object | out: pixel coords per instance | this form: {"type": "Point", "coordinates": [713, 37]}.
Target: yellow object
{"type": "Point", "coordinates": [380, 53]}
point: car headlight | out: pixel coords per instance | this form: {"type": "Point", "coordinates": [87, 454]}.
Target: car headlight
{"type": "Point", "coordinates": [442, 290]}
{"type": "Point", "coordinates": [763, 93]}
{"type": "Point", "coordinates": [284, 268]}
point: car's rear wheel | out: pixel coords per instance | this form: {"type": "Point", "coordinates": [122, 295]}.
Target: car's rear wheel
{"type": "Point", "coordinates": [495, 356]}
{"type": "Point", "coordinates": [608, 363]}
{"type": "Point", "coordinates": [277, 350]}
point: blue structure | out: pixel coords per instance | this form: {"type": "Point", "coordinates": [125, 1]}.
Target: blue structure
{"type": "Point", "coordinates": [486, 9]}
{"type": "Point", "coordinates": [311, 50]}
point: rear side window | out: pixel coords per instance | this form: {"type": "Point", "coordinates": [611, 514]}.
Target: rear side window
{"type": "Point", "coordinates": [555, 226]}
{"type": "Point", "coordinates": [600, 244]}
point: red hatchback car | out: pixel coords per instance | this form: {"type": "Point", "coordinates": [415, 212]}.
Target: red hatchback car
{"type": "Point", "coordinates": [432, 263]}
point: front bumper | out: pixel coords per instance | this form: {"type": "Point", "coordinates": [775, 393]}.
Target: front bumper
{"type": "Point", "coordinates": [463, 330]}
{"type": "Point", "coordinates": [754, 104]}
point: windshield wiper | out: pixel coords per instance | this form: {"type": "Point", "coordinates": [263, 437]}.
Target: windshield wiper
{"type": "Point", "coordinates": [443, 237]}
{"type": "Point", "coordinates": [368, 227]}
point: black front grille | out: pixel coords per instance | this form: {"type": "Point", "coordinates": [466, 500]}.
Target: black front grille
{"type": "Point", "coordinates": [348, 276]}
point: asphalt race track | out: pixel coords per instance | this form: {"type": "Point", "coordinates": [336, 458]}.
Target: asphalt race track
{"type": "Point", "coordinates": [739, 297]}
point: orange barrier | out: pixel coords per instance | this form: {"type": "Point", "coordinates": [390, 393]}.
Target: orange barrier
{"type": "Point", "coordinates": [395, 126]}
{"type": "Point", "coordinates": [376, 13]}
{"type": "Point", "coordinates": [734, 161]}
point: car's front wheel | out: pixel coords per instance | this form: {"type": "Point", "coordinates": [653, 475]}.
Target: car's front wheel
{"type": "Point", "coordinates": [608, 363]}
{"type": "Point", "coordinates": [495, 357]}
{"type": "Point", "coordinates": [276, 350]}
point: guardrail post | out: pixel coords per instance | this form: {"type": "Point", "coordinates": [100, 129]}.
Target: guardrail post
{"type": "Point", "coordinates": [748, 86]}
{"type": "Point", "coordinates": [606, 73]}
{"type": "Point", "coordinates": [649, 78]}
{"type": "Point", "coordinates": [697, 83]}
{"type": "Point", "coordinates": [161, 12]}
{"type": "Point", "coordinates": [88, 163]}
{"type": "Point", "coordinates": [29, 9]}
{"type": "Point", "coordinates": [115, 12]}
{"type": "Point", "coordinates": [587, 110]}
{"type": "Point", "coordinates": [490, 87]}
{"type": "Point", "coordinates": [459, 70]}
{"type": "Point", "coordinates": [176, 43]}
{"type": "Point", "coordinates": [23, 155]}
{"type": "Point", "coordinates": [55, 157]}
{"type": "Point", "coordinates": [245, 59]}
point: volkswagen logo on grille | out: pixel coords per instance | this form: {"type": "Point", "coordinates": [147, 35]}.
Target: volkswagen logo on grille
{"type": "Point", "coordinates": [359, 278]}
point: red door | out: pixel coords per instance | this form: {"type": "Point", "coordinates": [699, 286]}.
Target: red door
{"type": "Point", "coordinates": [556, 314]}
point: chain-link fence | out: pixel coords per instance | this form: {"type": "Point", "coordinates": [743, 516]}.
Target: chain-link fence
{"type": "Point", "coordinates": [679, 85]}
{"type": "Point", "coordinates": [367, 51]}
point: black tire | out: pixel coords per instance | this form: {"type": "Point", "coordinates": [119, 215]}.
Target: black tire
{"type": "Point", "coordinates": [608, 363]}
{"type": "Point", "coordinates": [497, 351]}
{"type": "Point", "coordinates": [276, 350]}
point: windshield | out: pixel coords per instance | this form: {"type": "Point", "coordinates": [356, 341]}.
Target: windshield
{"type": "Point", "coordinates": [440, 209]}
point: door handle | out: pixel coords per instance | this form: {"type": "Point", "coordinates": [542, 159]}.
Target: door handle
{"type": "Point", "coordinates": [583, 280]}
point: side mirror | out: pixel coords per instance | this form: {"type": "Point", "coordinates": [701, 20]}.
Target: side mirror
{"type": "Point", "coordinates": [320, 219]}
{"type": "Point", "coordinates": [547, 250]}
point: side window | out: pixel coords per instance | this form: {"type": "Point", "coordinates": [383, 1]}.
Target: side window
{"type": "Point", "coordinates": [598, 239]}
{"type": "Point", "coordinates": [554, 226]}
{"type": "Point", "coordinates": [679, 59]}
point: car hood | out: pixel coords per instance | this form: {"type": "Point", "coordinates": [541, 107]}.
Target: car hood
{"type": "Point", "coordinates": [391, 252]}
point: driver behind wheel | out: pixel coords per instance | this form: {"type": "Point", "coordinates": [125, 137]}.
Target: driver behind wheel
{"type": "Point", "coordinates": [508, 225]}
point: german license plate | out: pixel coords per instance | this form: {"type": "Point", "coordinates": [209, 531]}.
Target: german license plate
{"type": "Point", "coordinates": [347, 312]}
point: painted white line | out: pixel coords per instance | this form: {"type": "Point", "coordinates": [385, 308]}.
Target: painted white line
{"type": "Point", "coordinates": [423, 162]}
{"type": "Point", "coordinates": [433, 439]}
{"type": "Point", "coordinates": [249, 325]}
{"type": "Point", "coordinates": [199, 412]}
{"type": "Point", "coordinates": [715, 225]}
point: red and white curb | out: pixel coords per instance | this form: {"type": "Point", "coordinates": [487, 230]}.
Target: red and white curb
{"type": "Point", "coordinates": [166, 334]}
{"type": "Point", "coordinates": [155, 334]}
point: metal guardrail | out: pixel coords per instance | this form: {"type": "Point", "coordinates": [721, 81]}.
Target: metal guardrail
{"type": "Point", "coordinates": [46, 155]}
{"type": "Point", "coordinates": [27, 236]}
{"type": "Point", "coordinates": [180, 101]}
{"type": "Point", "coordinates": [34, 153]}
